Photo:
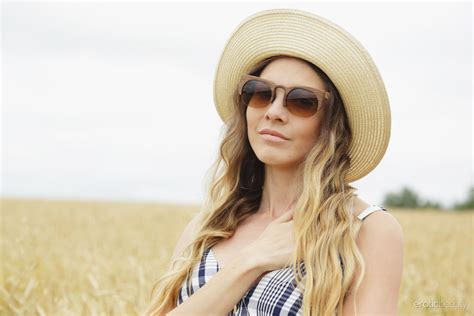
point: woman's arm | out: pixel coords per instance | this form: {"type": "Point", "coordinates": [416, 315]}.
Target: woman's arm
{"type": "Point", "coordinates": [224, 290]}
{"type": "Point", "coordinates": [381, 242]}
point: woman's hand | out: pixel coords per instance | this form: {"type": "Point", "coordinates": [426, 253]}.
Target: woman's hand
{"type": "Point", "coordinates": [274, 247]}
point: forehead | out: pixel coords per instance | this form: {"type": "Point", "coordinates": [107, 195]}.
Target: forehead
{"type": "Point", "coordinates": [289, 71]}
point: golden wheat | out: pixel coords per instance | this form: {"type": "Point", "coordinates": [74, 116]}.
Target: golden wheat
{"type": "Point", "coordinates": [98, 258]}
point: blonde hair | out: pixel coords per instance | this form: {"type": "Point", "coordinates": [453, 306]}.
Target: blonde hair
{"type": "Point", "coordinates": [325, 227]}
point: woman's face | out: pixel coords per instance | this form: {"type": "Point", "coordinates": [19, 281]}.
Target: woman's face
{"type": "Point", "coordinates": [302, 132]}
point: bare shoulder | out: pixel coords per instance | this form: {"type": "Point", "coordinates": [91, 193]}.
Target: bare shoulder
{"type": "Point", "coordinates": [378, 224]}
{"type": "Point", "coordinates": [380, 241]}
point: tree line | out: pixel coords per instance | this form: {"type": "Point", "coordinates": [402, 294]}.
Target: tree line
{"type": "Point", "coordinates": [408, 198]}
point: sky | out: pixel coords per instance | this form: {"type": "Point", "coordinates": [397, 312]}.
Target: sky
{"type": "Point", "coordinates": [114, 100]}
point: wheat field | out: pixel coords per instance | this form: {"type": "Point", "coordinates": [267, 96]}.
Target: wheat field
{"type": "Point", "coordinates": [102, 258]}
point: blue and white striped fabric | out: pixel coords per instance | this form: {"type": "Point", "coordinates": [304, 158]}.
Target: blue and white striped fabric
{"type": "Point", "coordinates": [274, 294]}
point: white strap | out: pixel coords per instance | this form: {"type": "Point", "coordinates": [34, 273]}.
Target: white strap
{"type": "Point", "coordinates": [370, 210]}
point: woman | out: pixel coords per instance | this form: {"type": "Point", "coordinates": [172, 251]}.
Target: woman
{"type": "Point", "coordinates": [282, 232]}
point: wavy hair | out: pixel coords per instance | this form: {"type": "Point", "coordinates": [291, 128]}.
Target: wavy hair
{"type": "Point", "coordinates": [325, 227]}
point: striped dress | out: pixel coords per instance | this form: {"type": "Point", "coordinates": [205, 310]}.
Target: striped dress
{"type": "Point", "coordinates": [274, 294]}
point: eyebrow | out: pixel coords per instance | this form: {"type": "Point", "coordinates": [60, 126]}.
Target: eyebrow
{"type": "Point", "coordinates": [292, 86]}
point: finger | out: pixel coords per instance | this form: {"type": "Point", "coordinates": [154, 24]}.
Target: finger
{"type": "Point", "coordinates": [292, 204]}
{"type": "Point", "coordinates": [288, 215]}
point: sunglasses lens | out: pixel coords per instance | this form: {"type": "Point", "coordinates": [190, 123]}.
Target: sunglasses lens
{"type": "Point", "coordinates": [302, 102]}
{"type": "Point", "coordinates": [256, 94]}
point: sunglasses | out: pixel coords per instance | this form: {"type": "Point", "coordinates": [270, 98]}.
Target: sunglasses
{"type": "Point", "coordinates": [257, 92]}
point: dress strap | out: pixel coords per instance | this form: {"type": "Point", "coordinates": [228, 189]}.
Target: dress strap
{"type": "Point", "coordinates": [370, 210]}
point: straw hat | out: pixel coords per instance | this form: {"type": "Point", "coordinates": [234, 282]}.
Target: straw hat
{"type": "Point", "coordinates": [308, 36]}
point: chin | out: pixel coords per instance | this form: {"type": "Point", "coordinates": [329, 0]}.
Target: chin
{"type": "Point", "coordinates": [273, 159]}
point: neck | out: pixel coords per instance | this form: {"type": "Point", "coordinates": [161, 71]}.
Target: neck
{"type": "Point", "coordinates": [280, 191]}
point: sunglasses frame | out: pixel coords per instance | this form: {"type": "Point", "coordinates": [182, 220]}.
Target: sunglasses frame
{"type": "Point", "coordinates": [321, 95]}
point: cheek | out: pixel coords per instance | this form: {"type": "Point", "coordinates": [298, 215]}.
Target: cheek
{"type": "Point", "coordinates": [249, 121]}
{"type": "Point", "coordinates": [305, 140]}
{"type": "Point", "coordinates": [309, 132]}
{"type": "Point", "coordinates": [250, 127]}
{"type": "Point", "coordinates": [252, 120]}
{"type": "Point", "coordinates": [308, 140]}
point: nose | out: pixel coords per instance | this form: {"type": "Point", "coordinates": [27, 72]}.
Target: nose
{"type": "Point", "coordinates": [277, 108]}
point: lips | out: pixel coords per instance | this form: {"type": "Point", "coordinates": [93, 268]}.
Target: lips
{"type": "Point", "coordinates": [273, 138]}
{"type": "Point", "coordinates": [272, 132]}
